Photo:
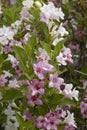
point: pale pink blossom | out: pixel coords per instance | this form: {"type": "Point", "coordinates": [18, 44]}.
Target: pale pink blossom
{"type": "Point", "coordinates": [61, 60]}
{"type": "Point", "coordinates": [3, 80]}
{"type": "Point", "coordinates": [74, 47]}
{"type": "Point", "coordinates": [55, 81]}
{"type": "Point", "coordinates": [83, 109]}
{"type": "Point", "coordinates": [65, 56]}
{"type": "Point", "coordinates": [79, 33]}
{"type": "Point", "coordinates": [36, 87]}
{"type": "Point", "coordinates": [24, 14]}
{"type": "Point", "coordinates": [69, 127]}
{"type": "Point", "coordinates": [27, 115]}
{"type": "Point", "coordinates": [41, 68]}
{"type": "Point", "coordinates": [19, 72]}
{"type": "Point", "coordinates": [48, 122]}
{"type": "Point", "coordinates": [34, 100]}
{"type": "Point", "coordinates": [40, 122]}
{"type": "Point", "coordinates": [13, 60]}
{"type": "Point", "coordinates": [43, 55]}
{"type": "Point", "coordinates": [13, 84]}
{"type": "Point", "coordinates": [7, 49]}
{"type": "Point", "coordinates": [67, 53]}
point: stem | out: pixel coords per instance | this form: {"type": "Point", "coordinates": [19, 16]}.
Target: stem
{"type": "Point", "coordinates": [80, 72]}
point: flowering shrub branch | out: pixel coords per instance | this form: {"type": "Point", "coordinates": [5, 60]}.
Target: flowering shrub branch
{"type": "Point", "coordinates": [34, 58]}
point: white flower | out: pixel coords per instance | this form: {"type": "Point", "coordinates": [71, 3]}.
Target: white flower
{"type": "Point", "coordinates": [62, 30]}
{"type": "Point", "coordinates": [58, 33]}
{"type": "Point", "coordinates": [27, 3]}
{"type": "Point", "coordinates": [68, 92]}
{"type": "Point", "coordinates": [13, 84]}
{"type": "Point", "coordinates": [7, 32]}
{"type": "Point", "coordinates": [50, 12]}
{"type": "Point", "coordinates": [9, 112]}
{"type": "Point", "coordinates": [11, 123]}
{"type": "Point", "coordinates": [16, 24]}
{"type": "Point", "coordinates": [61, 60]}
{"type": "Point", "coordinates": [70, 119]}
{"type": "Point", "coordinates": [3, 40]}
{"type": "Point", "coordinates": [11, 126]}
{"type": "Point", "coordinates": [7, 74]}
{"type": "Point", "coordinates": [57, 40]}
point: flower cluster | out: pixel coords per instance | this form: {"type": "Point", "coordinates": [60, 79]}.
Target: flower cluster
{"type": "Point", "coordinates": [33, 65]}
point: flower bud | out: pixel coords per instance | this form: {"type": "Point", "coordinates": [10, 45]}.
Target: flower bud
{"type": "Point", "coordinates": [38, 4]}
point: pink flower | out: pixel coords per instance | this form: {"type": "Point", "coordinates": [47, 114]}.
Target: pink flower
{"type": "Point", "coordinates": [74, 47]}
{"type": "Point", "coordinates": [13, 60]}
{"type": "Point", "coordinates": [19, 72]}
{"type": "Point", "coordinates": [79, 33]}
{"type": "Point", "coordinates": [36, 87]}
{"type": "Point", "coordinates": [7, 49]}
{"type": "Point", "coordinates": [27, 115]}
{"type": "Point", "coordinates": [48, 122]}
{"type": "Point", "coordinates": [24, 82]}
{"type": "Point", "coordinates": [83, 108]}
{"type": "Point", "coordinates": [61, 60]}
{"type": "Point", "coordinates": [34, 100]}
{"type": "Point", "coordinates": [55, 81]}
{"type": "Point", "coordinates": [69, 127]}
{"type": "Point", "coordinates": [3, 80]}
{"type": "Point", "coordinates": [67, 53]}
{"type": "Point", "coordinates": [41, 68]}
{"type": "Point", "coordinates": [40, 122]}
{"type": "Point", "coordinates": [24, 13]}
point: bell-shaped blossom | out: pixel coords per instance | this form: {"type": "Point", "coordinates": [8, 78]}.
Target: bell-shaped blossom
{"type": "Point", "coordinates": [34, 100]}
{"type": "Point", "coordinates": [41, 68]}
{"type": "Point", "coordinates": [70, 119]}
{"type": "Point", "coordinates": [69, 127]}
{"type": "Point", "coordinates": [13, 60]}
{"type": "Point", "coordinates": [83, 109]}
{"type": "Point", "coordinates": [50, 12]}
{"type": "Point", "coordinates": [3, 80]}
{"type": "Point", "coordinates": [55, 81]}
{"type": "Point", "coordinates": [65, 56]}
{"type": "Point", "coordinates": [61, 59]}
{"type": "Point", "coordinates": [36, 87]}
{"type": "Point", "coordinates": [69, 92]}
{"type": "Point", "coordinates": [6, 34]}
{"type": "Point", "coordinates": [13, 84]}
{"type": "Point", "coordinates": [25, 13]}
{"type": "Point", "coordinates": [7, 49]}
{"type": "Point", "coordinates": [48, 122]}
{"type": "Point", "coordinates": [43, 55]}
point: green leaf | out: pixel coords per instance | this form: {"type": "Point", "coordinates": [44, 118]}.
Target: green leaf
{"type": "Point", "coordinates": [65, 101]}
{"type": "Point", "coordinates": [47, 47]}
{"type": "Point", "coordinates": [22, 57]}
{"type": "Point", "coordinates": [1, 59]}
{"type": "Point", "coordinates": [32, 41]}
{"type": "Point", "coordinates": [20, 119]}
{"type": "Point", "coordinates": [10, 95]}
{"type": "Point", "coordinates": [10, 14]}
{"type": "Point", "coordinates": [58, 48]}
